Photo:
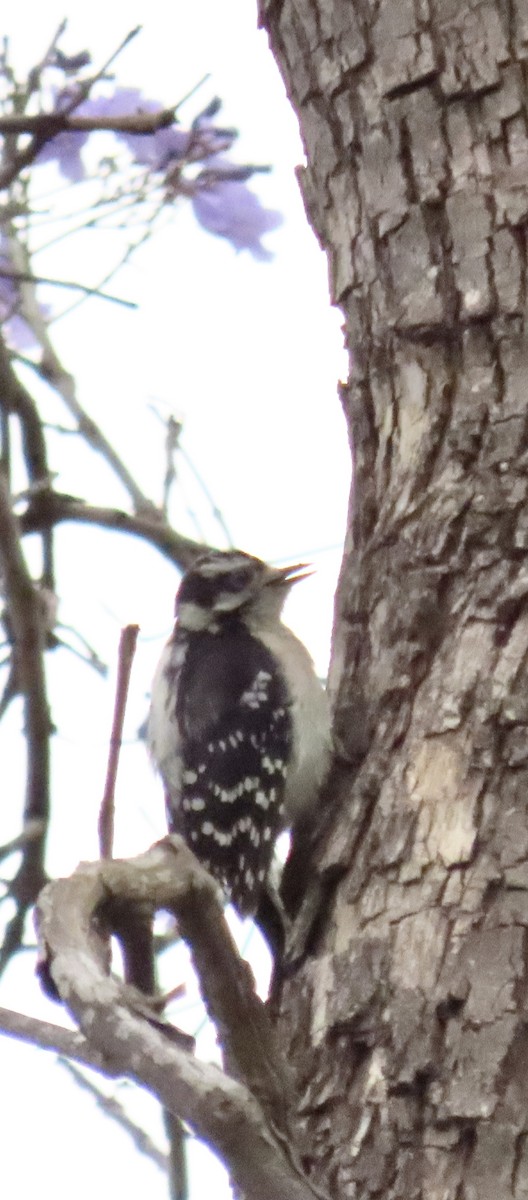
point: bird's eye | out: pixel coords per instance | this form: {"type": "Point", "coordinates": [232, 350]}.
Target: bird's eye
{"type": "Point", "coordinates": [236, 581]}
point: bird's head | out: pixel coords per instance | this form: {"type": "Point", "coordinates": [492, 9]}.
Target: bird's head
{"type": "Point", "coordinates": [225, 584]}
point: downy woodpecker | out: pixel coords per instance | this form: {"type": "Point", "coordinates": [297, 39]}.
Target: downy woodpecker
{"type": "Point", "coordinates": [239, 724]}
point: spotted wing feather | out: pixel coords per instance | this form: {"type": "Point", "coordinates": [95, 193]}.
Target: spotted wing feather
{"type": "Point", "coordinates": [235, 733]}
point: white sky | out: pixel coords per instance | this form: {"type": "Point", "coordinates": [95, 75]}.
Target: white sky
{"type": "Point", "coordinates": [249, 354]}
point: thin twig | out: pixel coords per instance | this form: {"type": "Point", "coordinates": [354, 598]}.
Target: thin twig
{"type": "Point", "coordinates": [34, 76]}
{"type": "Point", "coordinates": [29, 277]}
{"type": "Point", "coordinates": [127, 649]}
{"type": "Point", "coordinates": [172, 439]}
{"type": "Point", "coordinates": [178, 1175]}
{"type": "Point", "coordinates": [173, 445]}
{"type": "Point", "coordinates": [90, 656]}
{"type": "Point", "coordinates": [217, 513]}
{"type": "Point", "coordinates": [86, 87]}
{"type": "Point", "coordinates": [124, 259]}
{"type": "Point", "coordinates": [111, 1108]}
{"type": "Point", "coordinates": [53, 372]}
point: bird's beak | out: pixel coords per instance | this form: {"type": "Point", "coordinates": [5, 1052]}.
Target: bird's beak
{"type": "Point", "coordinates": [286, 576]}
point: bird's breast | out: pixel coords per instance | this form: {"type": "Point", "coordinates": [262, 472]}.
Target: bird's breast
{"type": "Point", "coordinates": [311, 722]}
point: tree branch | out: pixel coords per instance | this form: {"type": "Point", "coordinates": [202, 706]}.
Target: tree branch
{"type": "Point", "coordinates": [25, 157]}
{"type": "Point", "coordinates": [15, 399]}
{"type": "Point", "coordinates": [26, 622]}
{"type": "Point", "coordinates": [220, 1110]}
{"type": "Point", "coordinates": [51, 370]}
{"type": "Point", "coordinates": [49, 125]}
{"type": "Point", "coordinates": [47, 1036]}
{"type": "Point", "coordinates": [48, 508]}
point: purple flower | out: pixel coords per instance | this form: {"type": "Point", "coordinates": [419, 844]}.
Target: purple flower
{"type": "Point", "coordinates": [19, 331]}
{"type": "Point", "coordinates": [157, 150]}
{"type": "Point", "coordinates": [153, 150]}
{"type": "Point", "coordinates": [222, 202]}
{"type": "Point", "coordinates": [65, 150]}
{"type": "Point", "coordinates": [225, 206]}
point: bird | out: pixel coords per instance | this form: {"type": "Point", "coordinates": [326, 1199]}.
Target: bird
{"type": "Point", "coordinates": [239, 723]}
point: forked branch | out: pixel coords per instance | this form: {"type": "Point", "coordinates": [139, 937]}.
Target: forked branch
{"type": "Point", "coordinates": [242, 1115]}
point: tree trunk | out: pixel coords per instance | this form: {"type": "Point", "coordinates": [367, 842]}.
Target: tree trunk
{"type": "Point", "coordinates": [407, 1016]}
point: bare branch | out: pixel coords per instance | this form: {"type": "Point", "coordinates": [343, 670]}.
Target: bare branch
{"type": "Point", "coordinates": [52, 371]}
{"type": "Point", "coordinates": [87, 86]}
{"type": "Point", "coordinates": [15, 399]}
{"type": "Point", "coordinates": [47, 1036]}
{"type": "Point", "coordinates": [48, 508]}
{"type": "Point", "coordinates": [36, 71]}
{"type": "Point", "coordinates": [219, 1109]}
{"type": "Point", "coordinates": [25, 615]}
{"type": "Point", "coordinates": [25, 157]}
{"type": "Point", "coordinates": [48, 125]}
{"type": "Point", "coordinates": [127, 649]}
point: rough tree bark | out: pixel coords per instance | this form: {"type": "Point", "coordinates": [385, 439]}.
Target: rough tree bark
{"type": "Point", "coordinates": [406, 1018]}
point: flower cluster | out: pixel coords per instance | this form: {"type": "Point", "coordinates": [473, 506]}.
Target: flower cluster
{"type": "Point", "coordinates": [164, 160]}
{"type": "Point", "coordinates": [221, 199]}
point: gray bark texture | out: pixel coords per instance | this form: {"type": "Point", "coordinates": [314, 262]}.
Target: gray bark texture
{"type": "Point", "coordinates": [406, 1016]}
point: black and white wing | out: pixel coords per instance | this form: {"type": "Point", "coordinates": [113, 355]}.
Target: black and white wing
{"type": "Point", "coordinates": [235, 733]}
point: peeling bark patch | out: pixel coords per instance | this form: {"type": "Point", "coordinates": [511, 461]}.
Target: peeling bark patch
{"type": "Point", "coordinates": [438, 783]}
{"type": "Point", "coordinates": [417, 947]}
{"type": "Point", "coordinates": [456, 676]}
{"type": "Point", "coordinates": [473, 1059]}
{"type": "Point", "coordinates": [413, 414]}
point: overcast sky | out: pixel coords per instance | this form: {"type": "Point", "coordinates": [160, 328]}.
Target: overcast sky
{"type": "Point", "coordinates": [249, 355]}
